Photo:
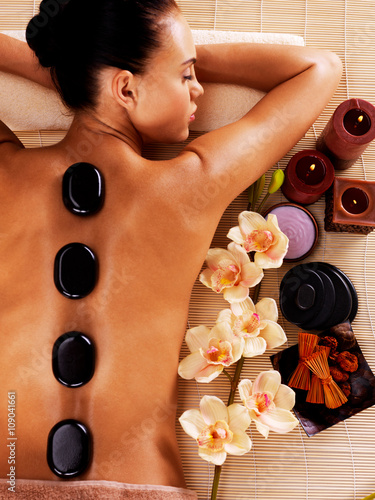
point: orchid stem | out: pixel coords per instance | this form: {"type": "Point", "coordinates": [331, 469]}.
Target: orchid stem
{"type": "Point", "coordinates": [227, 374]}
{"type": "Point", "coordinates": [215, 484]}
{"type": "Point", "coordinates": [234, 383]}
{"type": "Point", "coordinates": [263, 202]}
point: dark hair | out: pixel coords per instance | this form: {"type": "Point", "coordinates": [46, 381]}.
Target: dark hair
{"type": "Point", "coordinates": [76, 38]}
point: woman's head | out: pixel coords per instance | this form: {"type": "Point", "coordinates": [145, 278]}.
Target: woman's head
{"type": "Point", "coordinates": [77, 38]}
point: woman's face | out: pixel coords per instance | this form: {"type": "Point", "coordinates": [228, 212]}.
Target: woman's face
{"type": "Point", "coordinates": [167, 91]}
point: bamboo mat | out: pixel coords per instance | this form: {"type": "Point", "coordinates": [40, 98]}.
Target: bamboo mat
{"type": "Point", "coordinates": [338, 463]}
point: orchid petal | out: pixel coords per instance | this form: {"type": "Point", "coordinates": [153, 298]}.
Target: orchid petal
{"type": "Point", "coordinates": [263, 260]}
{"type": "Point", "coordinates": [268, 381]}
{"type": "Point", "coordinates": [205, 277]}
{"type": "Point", "coordinates": [239, 418]}
{"type": "Point", "coordinates": [197, 337]}
{"type": "Point", "coordinates": [245, 389]}
{"type": "Point", "coordinates": [285, 397]}
{"type": "Point", "coordinates": [215, 457]}
{"type": "Point", "coordinates": [192, 422]}
{"type": "Point", "coordinates": [213, 409]}
{"type": "Point", "coordinates": [238, 347]}
{"type": "Point", "coordinates": [273, 334]}
{"type": "Point", "coordinates": [222, 331]}
{"type": "Point", "coordinates": [254, 347]}
{"type": "Point", "coordinates": [224, 316]}
{"type": "Point", "coordinates": [216, 255]}
{"type": "Point", "coordinates": [192, 365]}
{"type": "Point", "coordinates": [210, 372]}
{"type": "Point", "coordinates": [244, 307]}
{"type": "Point", "coordinates": [235, 235]}
{"type": "Point", "coordinates": [267, 309]}
{"type": "Point", "coordinates": [251, 221]}
{"type": "Point", "coordinates": [240, 444]}
{"type": "Point", "coordinates": [263, 429]}
{"type": "Point", "coordinates": [278, 420]}
{"type": "Point", "coordinates": [238, 253]}
{"type": "Point", "coordinates": [235, 294]}
{"type": "Point", "coordinates": [251, 274]}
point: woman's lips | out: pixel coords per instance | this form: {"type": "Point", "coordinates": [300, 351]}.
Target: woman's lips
{"type": "Point", "coordinates": [192, 118]}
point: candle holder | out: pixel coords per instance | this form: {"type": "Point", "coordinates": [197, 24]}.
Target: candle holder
{"type": "Point", "coordinates": [350, 206]}
{"type": "Point", "coordinates": [349, 131]}
{"type": "Point", "coordinates": [300, 227]}
{"type": "Point", "coordinates": [308, 175]}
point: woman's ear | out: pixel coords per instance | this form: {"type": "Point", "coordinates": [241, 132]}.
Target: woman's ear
{"type": "Point", "coordinates": [124, 89]}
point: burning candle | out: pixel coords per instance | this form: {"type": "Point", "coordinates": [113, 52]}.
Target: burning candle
{"type": "Point", "coordinates": [300, 227]}
{"type": "Point", "coordinates": [351, 206]}
{"type": "Point", "coordinates": [349, 131]}
{"type": "Point", "coordinates": [308, 175]}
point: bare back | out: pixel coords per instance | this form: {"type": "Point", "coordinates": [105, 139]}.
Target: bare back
{"type": "Point", "coordinates": [149, 250]}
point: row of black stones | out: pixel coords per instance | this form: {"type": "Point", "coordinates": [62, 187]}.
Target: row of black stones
{"type": "Point", "coordinates": [69, 446]}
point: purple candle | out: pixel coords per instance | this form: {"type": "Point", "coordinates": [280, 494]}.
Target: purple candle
{"type": "Point", "coordinates": [300, 227]}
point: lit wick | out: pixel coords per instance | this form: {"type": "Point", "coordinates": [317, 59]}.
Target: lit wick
{"type": "Point", "coordinates": [354, 202]}
{"type": "Point", "coordinates": [360, 118]}
{"type": "Point", "coordinates": [312, 167]}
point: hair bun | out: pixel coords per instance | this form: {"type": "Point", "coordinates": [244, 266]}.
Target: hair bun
{"type": "Point", "coordinates": [43, 33]}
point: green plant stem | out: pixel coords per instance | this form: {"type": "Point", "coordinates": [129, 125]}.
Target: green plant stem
{"type": "Point", "coordinates": [215, 484]}
{"type": "Point", "coordinates": [233, 387]}
{"type": "Point", "coordinates": [227, 374]}
{"type": "Point", "coordinates": [263, 202]}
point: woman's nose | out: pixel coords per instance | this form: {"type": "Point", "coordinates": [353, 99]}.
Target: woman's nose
{"type": "Point", "coordinates": [197, 89]}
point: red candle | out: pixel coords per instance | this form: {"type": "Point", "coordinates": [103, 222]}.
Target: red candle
{"type": "Point", "coordinates": [353, 202]}
{"type": "Point", "coordinates": [349, 131]}
{"type": "Point", "coordinates": [308, 175]}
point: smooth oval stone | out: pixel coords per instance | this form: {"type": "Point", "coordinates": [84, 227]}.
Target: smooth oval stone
{"type": "Point", "coordinates": [75, 270]}
{"type": "Point", "coordinates": [305, 296]}
{"type": "Point", "coordinates": [73, 359]}
{"type": "Point", "coordinates": [83, 189]}
{"type": "Point", "coordinates": [69, 448]}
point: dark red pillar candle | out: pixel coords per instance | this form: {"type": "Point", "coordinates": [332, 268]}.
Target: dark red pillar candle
{"type": "Point", "coordinates": [349, 131]}
{"type": "Point", "coordinates": [308, 175]}
{"type": "Point", "coordinates": [353, 202]}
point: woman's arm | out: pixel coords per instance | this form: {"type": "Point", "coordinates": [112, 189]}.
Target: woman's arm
{"type": "Point", "coordinates": [17, 58]}
{"type": "Point", "coordinates": [299, 81]}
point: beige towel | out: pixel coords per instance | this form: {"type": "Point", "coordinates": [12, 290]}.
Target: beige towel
{"type": "Point", "coordinates": [90, 490]}
{"type": "Point", "coordinates": [26, 105]}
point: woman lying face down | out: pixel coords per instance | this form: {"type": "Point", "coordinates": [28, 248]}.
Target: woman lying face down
{"type": "Point", "coordinates": [126, 68]}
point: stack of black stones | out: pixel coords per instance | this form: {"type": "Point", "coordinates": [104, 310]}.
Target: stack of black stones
{"type": "Point", "coordinates": [69, 445]}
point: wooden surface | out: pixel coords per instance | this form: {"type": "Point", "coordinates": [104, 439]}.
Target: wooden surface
{"type": "Point", "coordinates": [338, 463]}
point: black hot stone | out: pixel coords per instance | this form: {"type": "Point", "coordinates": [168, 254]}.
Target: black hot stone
{"type": "Point", "coordinates": [73, 359]}
{"type": "Point", "coordinates": [332, 301]}
{"type": "Point", "coordinates": [293, 301]}
{"type": "Point", "coordinates": [69, 449]}
{"type": "Point", "coordinates": [75, 271]}
{"type": "Point", "coordinates": [83, 189]}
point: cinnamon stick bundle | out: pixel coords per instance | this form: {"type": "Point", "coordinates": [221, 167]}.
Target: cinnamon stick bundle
{"type": "Point", "coordinates": [316, 392]}
{"type": "Point", "coordinates": [318, 364]}
{"type": "Point", "coordinates": [300, 378]}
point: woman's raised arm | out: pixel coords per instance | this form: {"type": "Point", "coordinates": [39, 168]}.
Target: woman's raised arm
{"type": "Point", "coordinates": [299, 83]}
{"type": "Point", "coordinates": [17, 58]}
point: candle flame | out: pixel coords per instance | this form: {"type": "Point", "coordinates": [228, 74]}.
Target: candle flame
{"type": "Point", "coordinates": [360, 118]}
{"type": "Point", "coordinates": [355, 202]}
{"type": "Point", "coordinates": [312, 167]}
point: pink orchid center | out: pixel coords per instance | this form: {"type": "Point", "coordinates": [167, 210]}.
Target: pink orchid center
{"type": "Point", "coordinates": [258, 241]}
{"type": "Point", "coordinates": [260, 402]}
{"type": "Point", "coordinates": [214, 437]}
{"type": "Point", "coordinates": [219, 352]}
{"type": "Point", "coordinates": [224, 277]}
{"type": "Point", "coordinates": [247, 325]}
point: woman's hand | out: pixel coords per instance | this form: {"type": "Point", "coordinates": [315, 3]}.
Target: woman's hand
{"type": "Point", "coordinates": [17, 58]}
